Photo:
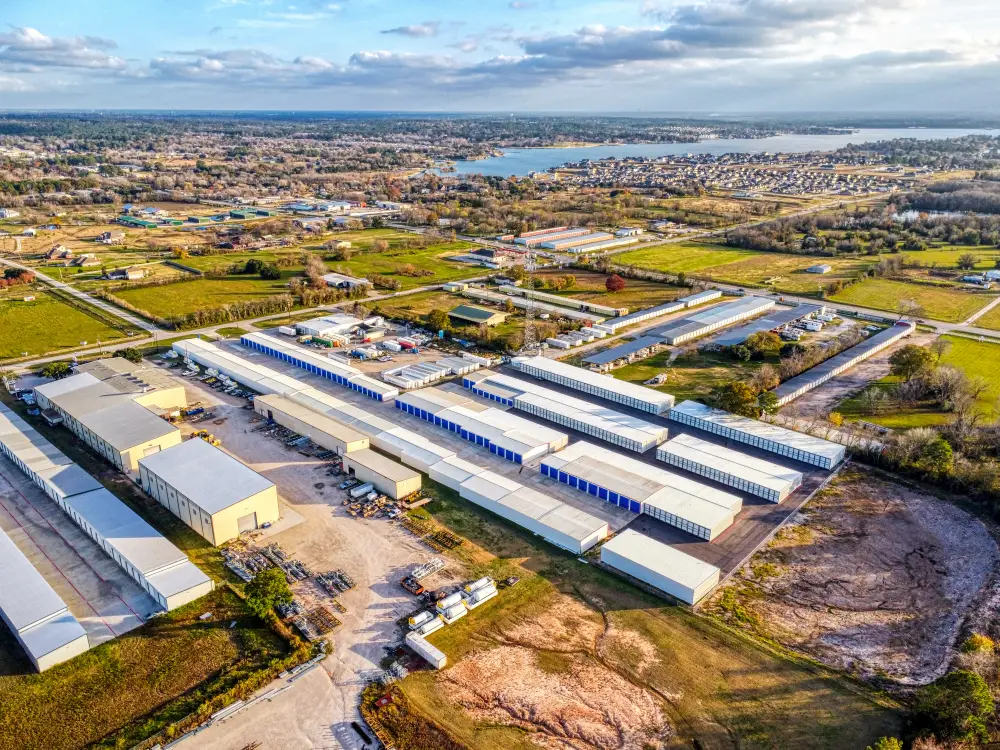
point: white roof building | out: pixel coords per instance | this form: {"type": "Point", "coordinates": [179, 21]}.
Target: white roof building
{"type": "Point", "coordinates": [664, 567]}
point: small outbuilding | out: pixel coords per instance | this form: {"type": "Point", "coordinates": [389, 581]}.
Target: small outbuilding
{"type": "Point", "coordinates": [215, 494]}
{"type": "Point", "coordinates": [477, 315]}
{"type": "Point", "coordinates": [387, 476]}
{"type": "Point", "coordinates": [319, 428]}
{"type": "Point", "coordinates": [820, 268]}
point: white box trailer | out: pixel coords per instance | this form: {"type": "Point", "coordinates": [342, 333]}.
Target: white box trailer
{"type": "Point", "coordinates": [664, 567]}
{"type": "Point", "coordinates": [426, 651]}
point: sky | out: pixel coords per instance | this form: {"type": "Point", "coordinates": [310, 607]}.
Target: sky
{"type": "Point", "coordinates": [630, 56]}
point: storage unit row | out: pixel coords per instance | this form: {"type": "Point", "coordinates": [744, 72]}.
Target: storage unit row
{"type": "Point", "coordinates": [732, 468]}
{"type": "Point", "coordinates": [640, 316]}
{"type": "Point", "coordinates": [666, 568]}
{"type": "Point", "coordinates": [700, 324]}
{"type": "Point", "coordinates": [585, 381]}
{"type": "Point", "coordinates": [318, 365]}
{"type": "Point", "coordinates": [524, 304]}
{"type": "Point", "coordinates": [795, 387]}
{"type": "Point", "coordinates": [768, 437]}
{"type": "Point", "coordinates": [576, 304]}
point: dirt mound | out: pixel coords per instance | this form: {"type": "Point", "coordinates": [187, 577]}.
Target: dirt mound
{"type": "Point", "coordinates": [566, 625]}
{"type": "Point", "coordinates": [571, 702]}
{"type": "Point", "coordinates": [873, 577]}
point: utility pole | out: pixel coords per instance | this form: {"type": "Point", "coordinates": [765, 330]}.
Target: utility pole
{"type": "Point", "coordinates": [530, 346]}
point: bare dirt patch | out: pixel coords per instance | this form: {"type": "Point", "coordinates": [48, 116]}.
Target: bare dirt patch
{"type": "Point", "coordinates": [873, 577]}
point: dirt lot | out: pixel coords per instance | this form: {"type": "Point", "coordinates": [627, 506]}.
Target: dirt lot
{"type": "Point", "coordinates": [819, 402]}
{"type": "Point", "coordinates": [871, 577]}
{"type": "Point", "coordinates": [546, 676]}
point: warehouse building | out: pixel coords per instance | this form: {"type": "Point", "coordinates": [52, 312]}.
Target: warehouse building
{"type": "Point", "coordinates": [319, 428]}
{"type": "Point", "coordinates": [215, 494]}
{"type": "Point", "coordinates": [162, 570]}
{"type": "Point", "coordinates": [591, 419]}
{"type": "Point", "coordinates": [317, 364]}
{"type": "Point", "coordinates": [700, 324]}
{"type": "Point", "coordinates": [768, 437]}
{"type": "Point", "coordinates": [117, 422]}
{"type": "Point", "coordinates": [425, 373]}
{"type": "Point", "coordinates": [598, 246]}
{"type": "Point", "coordinates": [793, 388]}
{"type": "Point", "coordinates": [690, 506]}
{"type": "Point", "coordinates": [623, 354]}
{"type": "Point", "coordinates": [753, 475]}
{"type": "Point", "coordinates": [776, 319]}
{"type": "Point", "coordinates": [575, 240]}
{"type": "Point", "coordinates": [387, 476]}
{"type": "Point", "coordinates": [34, 613]}
{"type": "Point", "coordinates": [619, 391]}
{"type": "Point", "coordinates": [453, 471]}
{"type": "Point", "coordinates": [639, 316]}
{"type": "Point", "coordinates": [503, 434]}
{"type": "Point", "coordinates": [554, 521]}
{"type": "Point", "coordinates": [700, 298]}
{"type": "Point", "coordinates": [661, 566]}
{"type": "Point", "coordinates": [328, 325]}
{"type": "Point", "coordinates": [477, 315]}
{"type": "Point", "coordinates": [555, 299]}
{"type": "Point", "coordinates": [538, 236]}
{"type": "Point", "coordinates": [539, 307]}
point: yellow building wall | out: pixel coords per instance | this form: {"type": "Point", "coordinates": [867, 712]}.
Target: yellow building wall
{"type": "Point", "coordinates": [130, 458]}
{"type": "Point", "coordinates": [168, 398]}
{"type": "Point", "coordinates": [264, 504]}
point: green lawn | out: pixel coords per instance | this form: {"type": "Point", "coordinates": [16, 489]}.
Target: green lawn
{"type": "Point", "coordinates": [734, 266]}
{"type": "Point", "coordinates": [691, 376]}
{"type": "Point", "coordinates": [433, 259]}
{"type": "Point", "coordinates": [635, 296]}
{"type": "Point", "coordinates": [46, 326]}
{"type": "Point", "coordinates": [724, 689]}
{"type": "Point", "coordinates": [976, 359]}
{"type": "Point", "coordinates": [939, 303]}
{"type": "Point", "coordinates": [946, 256]}
{"type": "Point", "coordinates": [188, 296]}
{"type": "Point", "coordinates": [990, 320]}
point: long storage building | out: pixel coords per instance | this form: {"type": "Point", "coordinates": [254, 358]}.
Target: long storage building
{"type": "Point", "coordinates": [591, 419]}
{"type": "Point", "coordinates": [536, 305]}
{"type": "Point", "coordinates": [750, 474]}
{"type": "Point", "coordinates": [768, 437]}
{"type": "Point", "coordinates": [503, 434]}
{"type": "Point", "coordinates": [794, 387]}
{"type": "Point", "coordinates": [603, 386]}
{"type": "Point", "coordinates": [34, 613]}
{"type": "Point", "coordinates": [215, 494]}
{"type": "Point", "coordinates": [702, 323]}
{"type": "Point", "coordinates": [162, 570]}
{"type": "Point", "coordinates": [321, 429]}
{"type": "Point", "coordinates": [387, 476]}
{"type": "Point", "coordinates": [555, 299]}
{"type": "Point", "coordinates": [317, 364]}
{"type": "Point", "coordinates": [664, 567]}
{"type": "Point", "coordinates": [675, 500]}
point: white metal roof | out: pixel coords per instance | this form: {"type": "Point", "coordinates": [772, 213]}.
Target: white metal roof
{"type": "Point", "coordinates": [491, 485]}
{"type": "Point", "coordinates": [26, 598]}
{"type": "Point", "coordinates": [208, 475]}
{"type": "Point", "coordinates": [763, 430]}
{"type": "Point", "coordinates": [126, 425]}
{"type": "Point", "coordinates": [378, 463]}
{"type": "Point", "coordinates": [662, 559]}
{"type": "Point", "coordinates": [319, 421]}
{"type": "Point", "coordinates": [751, 468]}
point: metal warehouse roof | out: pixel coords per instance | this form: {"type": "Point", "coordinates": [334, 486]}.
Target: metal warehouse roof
{"type": "Point", "coordinates": [650, 312]}
{"type": "Point", "coordinates": [734, 463]}
{"type": "Point", "coordinates": [321, 422]}
{"type": "Point", "coordinates": [779, 316]}
{"type": "Point", "coordinates": [473, 313]}
{"type": "Point", "coordinates": [698, 297]}
{"type": "Point", "coordinates": [69, 480]}
{"type": "Point", "coordinates": [381, 465]}
{"type": "Point", "coordinates": [586, 378]}
{"type": "Point", "coordinates": [126, 425]}
{"type": "Point", "coordinates": [762, 430]}
{"type": "Point", "coordinates": [208, 475]}
{"type": "Point", "coordinates": [623, 350]}
{"type": "Point", "coordinates": [661, 558]}
{"type": "Point", "coordinates": [26, 599]}
{"type": "Point", "coordinates": [144, 547]}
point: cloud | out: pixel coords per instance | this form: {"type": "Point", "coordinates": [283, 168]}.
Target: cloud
{"type": "Point", "coordinates": [30, 50]}
{"type": "Point", "coordinates": [214, 30]}
{"type": "Point", "coordinates": [521, 4]}
{"type": "Point", "coordinates": [425, 29]}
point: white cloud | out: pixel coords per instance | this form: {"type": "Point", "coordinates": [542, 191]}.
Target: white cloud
{"type": "Point", "coordinates": [28, 49]}
{"type": "Point", "coordinates": [425, 29]}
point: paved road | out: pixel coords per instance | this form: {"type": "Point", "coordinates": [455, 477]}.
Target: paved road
{"type": "Point", "coordinates": [117, 312]}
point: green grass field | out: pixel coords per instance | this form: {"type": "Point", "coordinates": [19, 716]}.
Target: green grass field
{"type": "Point", "coordinates": [976, 359]}
{"type": "Point", "coordinates": [46, 326]}
{"type": "Point", "coordinates": [946, 256]}
{"type": "Point", "coordinates": [188, 296]}
{"type": "Point", "coordinates": [939, 303]}
{"type": "Point", "coordinates": [990, 319]}
{"type": "Point", "coordinates": [690, 376]}
{"type": "Point", "coordinates": [635, 296]}
{"type": "Point", "coordinates": [433, 259]}
{"type": "Point", "coordinates": [725, 690]}
{"type": "Point", "coordinates": [735, 266]}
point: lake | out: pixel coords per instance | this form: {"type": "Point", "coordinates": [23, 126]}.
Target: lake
{"type": "Point", "coordinates": [521, 161]}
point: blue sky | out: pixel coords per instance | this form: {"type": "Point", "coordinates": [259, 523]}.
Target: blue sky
{"type": "Point", "coordinates": [503, 55]}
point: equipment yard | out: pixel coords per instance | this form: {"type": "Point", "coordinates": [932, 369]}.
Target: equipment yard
{"type": "Point", "coordinates": [868, 569]}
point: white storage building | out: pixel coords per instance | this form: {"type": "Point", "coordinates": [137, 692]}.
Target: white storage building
{"type": "Point", "coordinates": [575, 240]}
{"type": "Point", "coordinates": [215, 494]}
{"type": "Point", "coordinates": [554, 521]}
{"type": "Point", "coordinates": [606, 387]}
{"type": "Point", "coordinates": [593, 247]}
{"type": "Point", "coordinates": [699, 324]}
{"type": "Point", "coordinates": [317, 364]}
{"type": "Point", "coordinates": [628, 483]}
{"type": "Point", "coordinates": [750, 474]}
{"type": "Point", "coordinates": [34, 613]}
{"type": "Point", "coordinates": [524, 304]}
{"type": "Point", "coordinates": [503, 434]}
{"type": "Point", "coordinates": [769, 437]}
{"type": "Point", "coordinates": [794, 387]}
{"type": "Point", "coordinates": [555, 299]}
{"type": "Point", "coordinates": [668, 569]}
{"type": "Point", "coordinates": [700, 297]}
{"type": "Point", "coordinates": [320, 428]}
{"type": "Point", "coordinates": [254, 376]}
{"type": "Point", "coordinates": [591, 419]}
{"type": "Point", "coordinates": [388, 477]}
{"type": "Point", "coordinates": [432, 655]}
{"type": "Point", "coordinates": [328, 325]}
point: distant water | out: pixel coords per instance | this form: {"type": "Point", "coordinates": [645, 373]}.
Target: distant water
{"type": "Point", "coordinates": [521, 161]}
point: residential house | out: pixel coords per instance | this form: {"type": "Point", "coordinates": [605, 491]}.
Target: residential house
{"type": "Point", "coordinates": [59, 252]}
{"type": "Point", "coordinates": [127, 274]}
{"type": "Point", "coordinates": [111, 238]}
